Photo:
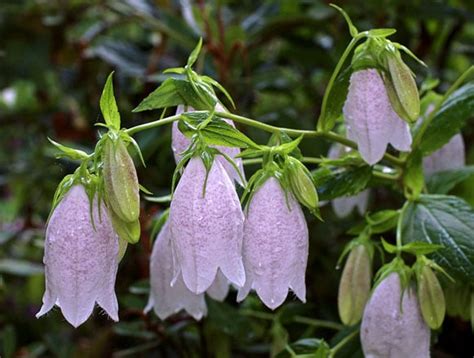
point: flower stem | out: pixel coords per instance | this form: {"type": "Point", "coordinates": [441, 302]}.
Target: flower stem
{"type": "Point", "coordinates": [336, 71]}
{"type": "Point", "coordinates": [318, 323]}
{"type": "Point", "coordinates": [342, 343]}
{"type": "Point", "coordinates": [153, 124]}
{"type": "Point", "coordinates": [425, 124]}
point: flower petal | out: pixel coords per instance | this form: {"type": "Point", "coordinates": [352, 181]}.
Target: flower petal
{"type": "Point", "coordinates": [219, 288]}
{"type": "Point", "coordinates": [450, 156]}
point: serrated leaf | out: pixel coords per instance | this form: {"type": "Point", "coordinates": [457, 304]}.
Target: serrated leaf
{"type": "Point", "coordinates": [451, 117]}
{"type": "Point", "coordinates": [166, 95]}
{"type": "Point", "coordinates": [447, 221]}
{"type": "Point", "coordinates": [349, 181]}
{"type": "Point", "coordinates": [204, 100]}
{"type": "Point", "coordinates": [442, 182]}
{"type": "Point", "coordinates": [108, 105]}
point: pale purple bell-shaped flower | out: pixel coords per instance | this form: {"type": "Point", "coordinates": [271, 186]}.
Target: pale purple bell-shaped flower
{"type": "Point", "coordinates": [206, 223]}
{"type": "Point", "coordinates": [275, 246]}
{"type": "Point", "coordinates": [392, 325]}
{"type": "Point", "coordinates": [166, 299]}
{"type": "Point", "coordinates": [450, 156]}
{"type": "Point", "coordinates": [344, 206]}
{"type": "Point", "coordinates": [179, 143]}
{"type": "Point", "coordinates": [371, 121]}
{"type": "Point", "coordinates": [219, 288]}
{"type": "Point", "coordinates": [81, 259]}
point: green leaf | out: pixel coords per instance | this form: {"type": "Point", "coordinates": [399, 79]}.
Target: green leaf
{"type": "Point", "coordinates": [74, 154]}
{"type": "Point", "coordinates": [108, 105]}
{"type": "Point", "coordinates": [166, 95]}
{"type": "Point", "coordinates": [413, 177]}
{"type": "Point", "coordinates": [450, 118]}
{"type": "Point", "coordinates": [335, 100]}
{"type": "Point", "coordinates": [349, 181]}
{"type": "Point", "coordinates": [216, 132]}
{"type": "Point", "coordinates": [204, 100]}
{"type": "Point", "coordinates": [194, 54]}
{"type": "Point", "coordinates": [381, 32]}
{"type": "Point", "coordinates": [447, 221]}
{"type": "Point", "coordinates": [443, 182]}
{"type": "Point", "coordinates": [382, 221]}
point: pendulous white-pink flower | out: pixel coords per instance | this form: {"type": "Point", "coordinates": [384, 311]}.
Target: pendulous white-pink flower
{"type": "Point", "coordinates": [179, 143]}
{"type": "Point", "coordinates": [206, 223]}
{"type": "Point", "coordinates": [275, 246]}
{"type": "Point", "coordinates": [371, 121]}
{"type": "Point", "coordinates": [392, 325]}
{"type": "Point", "coordinates": [166, 299]}
{"type": "Point", "coordinates": [81, 259]}
{"type": "Point", "coordinates": [450, 156]}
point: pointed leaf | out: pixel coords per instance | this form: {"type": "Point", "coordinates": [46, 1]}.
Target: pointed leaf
{"type": "Point", "coordinates": [108, 105]}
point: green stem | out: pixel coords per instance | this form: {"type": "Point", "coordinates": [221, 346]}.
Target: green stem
{"type": "Point", "coordinates": [318, 323]}
{"type": "Point", "coordinates": [298, 132]}
{"type": "Point", "coordinates": [336, 71]}
{"type": "Point", "coordinates": [153, 124]}
{"type": "Point", "coordinates": [342, 343]}
{"type": "Point", "coordinates": [257, 314]}
{"type": "Point", "coordinates": [399, 227]}
{"type": "Point", "coordinates": [427, 121]}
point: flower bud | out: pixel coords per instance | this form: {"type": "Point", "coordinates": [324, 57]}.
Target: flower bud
{"type": "Point", "coordinates": [450, 156]}
{"type": "Point", "coordinates": [431, 297]}
{"type": "Point", "coordinates": [121, 182]}
{"type": "Point", "coordinates": [127, 231]}
{"type": "Point", "coordinates": [405, 87]}
{"type": "Point", "coordinates": [301, 183]}
{"type": "Point", "coordinates": [371, 121]}
{"type": "Point", "coordinates": [275, 246]}
{"type": "Point", "coordinates": [206, 223]}
{"type": "Point", "coordinates": [392, 325]}
{"type": "Point", "coordinates": [81, 259]}
{"type": "Point", "coordinates": [354, 287]}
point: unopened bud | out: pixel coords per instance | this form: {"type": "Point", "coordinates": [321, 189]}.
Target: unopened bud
{"type": "Point", "coordinates": [127, 231]}
{"type": "Point", "coordinates": [301, 183]}
{"type": "Point", "coordinates": [405, 88]}
{"type": "Point", "coordinates": [431, 298]}
{"type": "Point", "coordinates": [354, 287]}
{"type": "Point", "coordinates": [121, 182]}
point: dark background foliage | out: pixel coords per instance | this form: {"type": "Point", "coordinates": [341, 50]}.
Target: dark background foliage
{"type": "Point", "coordinates": [275, 58]}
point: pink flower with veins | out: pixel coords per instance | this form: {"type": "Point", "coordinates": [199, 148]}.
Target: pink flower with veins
{"type": "Point", "coordinates": [275, 246]}
{"type": "Point", "coordinates": [80, 261]}
{"type": "Point", "coordinates": [392, 325]}
{"type": "Point", "coordinates": [450, 156]}
{"type": "Point", "coordinates": [179, 143]}
{"type": "Point", "coordinates": [206, 227]}
{"type": "Point", "coordinates": [167, 299]}
{"type": "Point", "coordinates": [371, 121]}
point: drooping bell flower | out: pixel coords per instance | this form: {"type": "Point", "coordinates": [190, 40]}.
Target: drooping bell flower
{"type": "Point", "coordinates": [371, 121]}
{"type": "Point", "coordinates": [81, 259]}
{"type": "Point", "coordinates": [206, 223]}
{"type": "Point", "coordinates": [275, 246]}
{"type": "Point", "coordinates": [219, 288]}
{"type": "Point", "coordinates": [167, 299]}
{"type": "Point", "coordinates": [344, 206]}
{"type": "Point", "coordinates": [450, 156]}
{"type": "Point", "coordinates": [392, 325]}
{"type": "Point", "coordinates": [179, 143]}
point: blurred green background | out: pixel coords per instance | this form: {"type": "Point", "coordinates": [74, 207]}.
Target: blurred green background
{"type": "Point", "coordinates": [275, 58]}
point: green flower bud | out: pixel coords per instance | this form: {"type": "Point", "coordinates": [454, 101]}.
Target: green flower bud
{"type": "Point", "coordinates": [301, 183]}
{"type": "Point", "coordinates": [126, 231]}
{"type": "Point", "coordinates": [354, 287]}
{"type": "Point", "coordinates": [431, 298]}
{"type": "Point", "coordinates": [405, 89]}
{"type": "Point", "coordinates": [121, 182]}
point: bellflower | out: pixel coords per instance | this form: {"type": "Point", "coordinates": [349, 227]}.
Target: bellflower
{"type": "Point", "coordinates": [450, 156]}
{"type": "Point", "coordinates": [81, 259]}
{"type": "Point", "coordinates": [344, 206]}
{"type": "Point", "coordinates": [371, 121]}
{"type": "Point", "coordinates": [275, 246]}
{"type": "Point", "coordinates": [167, 299]}
{"type": "Point", "coordinates": [392, 325]}
{"type": "Point", "coordinates": [206, 223]}
{"type": "Point", "coordinates": [179, 143]}
{"type": "Point", "coordinates": [219, 288]}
